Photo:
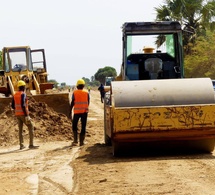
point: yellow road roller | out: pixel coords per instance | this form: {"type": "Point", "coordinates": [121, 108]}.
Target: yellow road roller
{"type": "Point", "coordinates": [151, 101]}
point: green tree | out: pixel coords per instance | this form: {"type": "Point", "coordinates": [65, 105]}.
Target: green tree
{"type": "Point", "coordinates": [86, 80]}
{"type": "Point", "coordinates": [92, 78]}
{"type": "Point", "coordinates": [105, 72]}
{"type": "Point", "coordinates": [90, 82]}
{"type": "Point", "coordinates": [55, 82]}
{"type": "Point", "coordinates": [95, 83]}
{"type": "Point", "coordinates": [202, 62]}
{"type": "Point", "coordinates": [195, 17]}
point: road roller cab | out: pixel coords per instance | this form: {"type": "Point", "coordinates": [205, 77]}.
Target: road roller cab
{"type": "Point", "coordinates": [150, 101]}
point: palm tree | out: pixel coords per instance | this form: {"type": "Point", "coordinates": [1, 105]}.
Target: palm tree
{"type": "Point", "coordinates": [195, 16]}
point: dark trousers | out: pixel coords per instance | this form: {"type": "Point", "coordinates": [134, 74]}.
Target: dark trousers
{"type": "Point", "coordinates": [102, 94]}
{"type": "Point", "coordinates": [75, 120]}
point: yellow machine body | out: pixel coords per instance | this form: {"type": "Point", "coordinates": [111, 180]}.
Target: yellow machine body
{"type": "Point", "coordinates": [151, 101]}
{"type": "Point", "coordinates": [22, 63]}
{"type": "Point", "coordinates": [152, 111]}
{"type": "Point", "coordinates": [174, 120]}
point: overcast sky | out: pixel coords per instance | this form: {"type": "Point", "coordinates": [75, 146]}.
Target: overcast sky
{"type": "Point", "coordinates": [79, 36]}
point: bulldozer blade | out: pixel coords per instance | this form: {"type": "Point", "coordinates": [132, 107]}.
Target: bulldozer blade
{"type": "Point", "coordinates": [59, 102]}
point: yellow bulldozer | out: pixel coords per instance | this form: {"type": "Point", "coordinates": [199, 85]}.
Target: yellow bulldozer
{"type": "Point", "coordinates": [22, 63]}
{"type": "Point", "coordinates": [151, 102]}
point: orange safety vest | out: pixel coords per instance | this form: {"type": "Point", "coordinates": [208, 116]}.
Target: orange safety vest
{"type": "Point", "coordinates": [18, 107]}
{"type": "Point", "coordinates": [81, 101]}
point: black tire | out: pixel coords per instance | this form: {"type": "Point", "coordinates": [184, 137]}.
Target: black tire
{"type": "Point", "coordinates": [116, 149]}
{"type": "Point", "coordinates": [204, 145]}
{"type": "Point", "coordinates": [107, 139]}
{"type": "Point", "coordinates": [7, 94]}
{"type": "Point", "coordinates": [207, 145]}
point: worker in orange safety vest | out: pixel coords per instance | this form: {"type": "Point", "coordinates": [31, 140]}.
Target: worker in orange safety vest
{"type": "Point", "coordinates": [80, 104]}
{"type": "Point", "coordinates": [20, 105]}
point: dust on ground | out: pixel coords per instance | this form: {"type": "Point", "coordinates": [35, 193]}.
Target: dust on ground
{"type": "Point", "coordinates": [58, 168]}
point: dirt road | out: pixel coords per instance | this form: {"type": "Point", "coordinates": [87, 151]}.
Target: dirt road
{"type": "Point", "coordinates": [58, 168]}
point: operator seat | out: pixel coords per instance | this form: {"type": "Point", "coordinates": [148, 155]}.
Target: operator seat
{"type": "Point", "coordinates": [153, 66]}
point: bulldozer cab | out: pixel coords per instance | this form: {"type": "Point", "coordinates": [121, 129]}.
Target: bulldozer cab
{"type": "Point", "coordinates": [22, 63]}
{"type": "Point", "coordinates": [17, 60]}
{"type": "Point", "coordinates": [152, 50]}
{"type": "Point", "coordinates": [39, 64]}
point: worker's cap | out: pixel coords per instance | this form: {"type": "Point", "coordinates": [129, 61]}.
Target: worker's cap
{"type": "Point", "coordinates": [80, 82]}
{"type": "Point", "coordinates": [21, 83]}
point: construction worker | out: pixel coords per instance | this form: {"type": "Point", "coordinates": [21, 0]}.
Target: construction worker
{"type": "Point", "coordinates": [80, 103]}
{"type": "Point", "coordinates": [88, 88]}
{"type": "Point", "coordinates": [102, 92]}
{"type": "Point", "coordinates": [20, 104]}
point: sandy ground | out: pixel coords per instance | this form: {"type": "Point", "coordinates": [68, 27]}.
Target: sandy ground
{"type": "Point", "coordinates": [58, 168]}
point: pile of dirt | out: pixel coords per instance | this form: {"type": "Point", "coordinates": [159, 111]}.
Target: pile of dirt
{"type": "Point", "coordinates": [48, 124]}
